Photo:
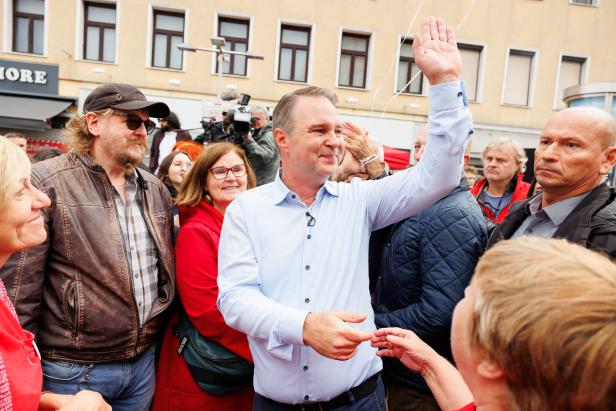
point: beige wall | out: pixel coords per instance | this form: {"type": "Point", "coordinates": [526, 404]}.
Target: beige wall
{"type": "Point", "coordinates": [548, 27]}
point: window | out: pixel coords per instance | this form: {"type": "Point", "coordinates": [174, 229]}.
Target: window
{"type": "Point", "coordinates": [168, 33]}
{"type": "Point", "coordinates": [586, 2]}
{"type": "Point", "coordinates": [99, 32]}
{"type": "Point", "coordinates": [353, 60]}
{"type": "Point", "coordinates": [471, 60]}
{"type": "Point", "coordinates": [519, 76]}
{"type": "Point", "coordinates": [235, 32]}
{"type": "Point", "coordinates": [294, 48]}
{"type": "Point", "coordinates": [407, 69]}
{"type": "Point", "coordinates": [28, 26]}
{"type": "Point", "coordinates": [571, 71]}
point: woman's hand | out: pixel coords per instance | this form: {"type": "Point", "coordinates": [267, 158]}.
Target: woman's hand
{"type": "Point", "coordinates": [406, 346]}
{"type": "Point", "coordinates": [82, 401]}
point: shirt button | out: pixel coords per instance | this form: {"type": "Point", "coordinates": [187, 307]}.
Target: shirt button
{"type": "Point", "coordinates": [306, 397]}
{"type": "Point", "coordinates": [307, 267]}
{"type": "Point", "coordinates": [305, 368]}
{"type": "Point", "coordinates": [293, 196]}
{"type": "Point", "coordinates": [307, 300]}
{"type": "Point", "coordinates": [309, 236]}
{"type": "Point", "coordinates": [137, 275]}
{"type": "Point", "coordinates": [459, 94]}
{"type": "Point", "coordinates": [139, 303]}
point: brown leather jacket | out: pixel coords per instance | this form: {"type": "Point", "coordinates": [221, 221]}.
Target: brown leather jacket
{"type": "Point", "coordinates": [74, 291]}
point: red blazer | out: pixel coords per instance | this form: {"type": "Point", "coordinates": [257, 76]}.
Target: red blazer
{"type": "Point", "coordinates": [196, 253]}
{"type": "Point", "coordinates": [520, 192]}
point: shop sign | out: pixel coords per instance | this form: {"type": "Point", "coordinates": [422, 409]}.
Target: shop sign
{"type": "Point", "coordinates": [28, 78]}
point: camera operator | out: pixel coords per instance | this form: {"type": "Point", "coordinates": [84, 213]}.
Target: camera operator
{"type": "Point", "coordinates": [260, 147]}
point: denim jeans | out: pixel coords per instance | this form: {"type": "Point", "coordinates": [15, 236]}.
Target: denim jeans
{"type": "Point", "coordinates": [371, 402]}
{"type": "Point", "coordinates": [126, 385]}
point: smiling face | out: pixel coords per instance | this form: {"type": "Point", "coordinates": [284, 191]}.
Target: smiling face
{"type": "Point", "coordinates": [223, 192]}
{"type": "Point", "coordinates": [21, 223]}
{"type": "Point", "coordinates": [314, 146]}
{"type": "Point", "coordinates": [574, 152]}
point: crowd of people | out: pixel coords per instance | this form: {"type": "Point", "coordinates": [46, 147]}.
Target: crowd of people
{"type": "Point", "coordinates": [289, 269]}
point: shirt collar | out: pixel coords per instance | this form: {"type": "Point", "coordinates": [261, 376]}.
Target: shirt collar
{"type": "Point", "coordinates": [557, 212]}
{"type": "Point", "coordinates": [282, 192]}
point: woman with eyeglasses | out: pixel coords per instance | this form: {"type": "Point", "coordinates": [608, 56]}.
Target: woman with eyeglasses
{"type": "Point", "coordinates": [22, 228]}
{"type": "Point", "coordinates": [217, 177]}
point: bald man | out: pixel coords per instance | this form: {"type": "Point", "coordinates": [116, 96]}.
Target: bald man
{"type": "Point", "coordinates": [573, 157]}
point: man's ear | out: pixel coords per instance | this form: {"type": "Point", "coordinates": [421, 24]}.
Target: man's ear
{"type": "Point", "coordinates": [93, 122]}
{"type": "Point", "coordinates": [281, 138]}
{"type": "Point", "coordinates": [609, 160]}
{"type": "Point", "coordinates": [489, 370]}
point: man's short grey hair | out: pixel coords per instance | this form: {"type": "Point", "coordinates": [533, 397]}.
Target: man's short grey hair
{"type": "Point", "coordinates": [260, 109]}
{"type": "Point", "coordinates": [283, 112]}
{"type": "Point", "coordinates": [506, 142]}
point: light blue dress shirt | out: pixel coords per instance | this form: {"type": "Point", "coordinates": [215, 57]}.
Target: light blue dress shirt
{"type": "Point", "coordinates": [275, 267]}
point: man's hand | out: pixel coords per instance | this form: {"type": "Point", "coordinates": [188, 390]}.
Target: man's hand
{"type": "Point", "coordinates": [247, 137]}
{"type": "Point", "coordinates": [327, 333]}
{"type": "Point", "coordinates": [356, 141]}
{"type": "Point", "coordinates": [436, 52]}
{"type": "Point", "coordinates": [406, 346]}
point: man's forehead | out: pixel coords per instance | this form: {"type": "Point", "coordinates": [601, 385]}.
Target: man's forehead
{"type": "Point", "coordinates": [142, 113]}
{"type": "Point", "coordinates": [502, 151]}
{"type": "Point", "coordinates": [320, 109]}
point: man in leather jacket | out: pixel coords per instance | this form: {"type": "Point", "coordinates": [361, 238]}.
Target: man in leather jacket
{"type": "Point", "coordinates": [574, 154]}
{"type": "Point", "coordinates": [95, 293]}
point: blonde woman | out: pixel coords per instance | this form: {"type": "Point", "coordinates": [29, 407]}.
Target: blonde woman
{"type": "Point", "coordinates": [537, 336]}
{"type": "Point", "coordinates": [21, 228]}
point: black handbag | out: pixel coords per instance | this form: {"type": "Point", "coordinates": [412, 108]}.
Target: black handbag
{"type": "Point", "coordinates": [215, 369]}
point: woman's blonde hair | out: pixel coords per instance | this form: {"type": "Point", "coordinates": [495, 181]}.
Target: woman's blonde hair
{"type": "Point", "coordinates": [545, 312]}
{"type": "Point", "coordinates": [14, 167]}
{"type": "Point", "coordinates": [77, 134]}
{"type": "Point", "coordinates": [193, 189]}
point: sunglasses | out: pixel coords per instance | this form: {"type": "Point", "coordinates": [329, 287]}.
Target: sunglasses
{"type": "Point", "coordinates": [220, 173]}
{"type": "Point", "coordinates": [133, 122]}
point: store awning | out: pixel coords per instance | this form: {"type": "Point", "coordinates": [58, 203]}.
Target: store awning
{"type": "Point", "coordinates": [396, 158]}
{"type": "Point", "coordinates": [30, 112]}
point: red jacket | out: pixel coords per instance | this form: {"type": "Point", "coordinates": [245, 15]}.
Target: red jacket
{"type": "Point", "coordinates": [520, 192]}
{"type": "Point", "coordinates": [196, 253]}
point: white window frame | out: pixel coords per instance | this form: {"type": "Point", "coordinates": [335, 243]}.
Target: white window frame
{"type": "Point", "coordinates": [149, 48]}
{"type": "Point", "coordinates": [425, 83]}
{"type": "Point", "coordinates": [79, 37]}
{"type": "Point", "coordinates": [371, 33]}
{"type": "Point", "coordinates": [584, 74]}
{"type": "Point", "coordinates": [7, 32]}
{"type": "Point", "coordinates": [533, 76]}
{"type": "Point", "coordinates": [299, 23]}
{"type": "Point", "coordinates": [572, 2]}
{"type": "Point", "coordinates": [483, 55]}
{"type": "Point", "coordinates": [232, 15]}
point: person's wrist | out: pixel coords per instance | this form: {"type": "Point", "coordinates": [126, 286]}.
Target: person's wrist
{"type": "Point", "coordinates": [306, 329]}
{"type": "Point", "coordinates": [368, 159]}
{"type": "Point", "coordinates": [444, 78]}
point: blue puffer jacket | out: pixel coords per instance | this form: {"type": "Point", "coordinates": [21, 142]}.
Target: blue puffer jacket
{"type": "Point", "coordinates": [426, 263]}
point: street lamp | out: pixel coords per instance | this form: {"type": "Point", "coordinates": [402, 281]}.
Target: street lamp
{"type": "Point", "coordinates": [217, 47]}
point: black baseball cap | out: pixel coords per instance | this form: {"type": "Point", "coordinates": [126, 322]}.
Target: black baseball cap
{"type": "Point", "coordinates": [123, 97]}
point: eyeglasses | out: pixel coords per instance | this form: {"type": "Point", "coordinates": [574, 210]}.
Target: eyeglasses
{"type": "Point", "coordinates": [133, 122]}
{"type": "Point", "coordinates": [220, 173]}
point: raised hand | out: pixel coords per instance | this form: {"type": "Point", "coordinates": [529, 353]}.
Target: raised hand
{"type": "Point", "coordinates": [327, 333]}
{"type": "Point", "coordinates": [406, 346]}
{"type": "Point", "coordinates": [436, 53]}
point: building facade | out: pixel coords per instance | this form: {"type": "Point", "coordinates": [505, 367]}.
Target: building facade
{"type": "Point", "coordinates": [518, 55]}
